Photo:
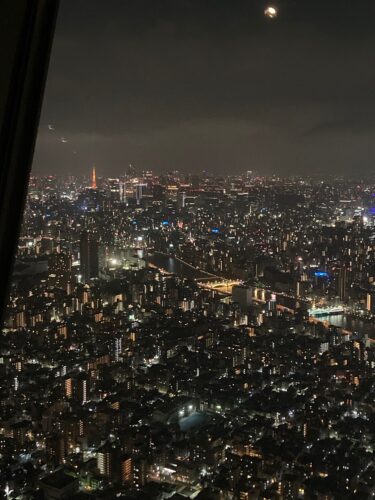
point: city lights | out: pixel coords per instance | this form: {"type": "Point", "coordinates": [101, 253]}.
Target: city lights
{"type": "Point", "coordinates": [181, 333]}
{"type": "Point", "coordinates": [194, 315]}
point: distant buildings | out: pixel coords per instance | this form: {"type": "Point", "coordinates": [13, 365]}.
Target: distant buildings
{"type": "Point", "coordinates": [130, 367]}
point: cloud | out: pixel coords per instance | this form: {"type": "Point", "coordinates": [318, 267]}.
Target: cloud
{"type": "Point", "coordinates": [205, 82]}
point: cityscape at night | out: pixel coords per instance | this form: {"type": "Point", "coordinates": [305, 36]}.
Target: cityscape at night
{"type": "Point", "coordinates": [178, 336]}
{"type": "Point", "coordinates": [191, 309]}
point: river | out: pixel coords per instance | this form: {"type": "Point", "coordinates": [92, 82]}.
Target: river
{"type": "Point", "coordinates": [351, 324]}
{"type": "Point", "coordinates": [173, 265]}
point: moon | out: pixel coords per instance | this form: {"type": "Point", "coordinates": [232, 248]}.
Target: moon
{"type": "Point", "coordinates": [271, 12]}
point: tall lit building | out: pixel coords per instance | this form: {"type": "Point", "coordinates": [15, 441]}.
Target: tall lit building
{"type": "Point", "coordinates": [76, 387]}
{"type": "Point", "coordinates": [370, 302]}
{"type": "Point", "coordinates": [122, 191]}
{"type": "Point", "coordinates": [93, 178]}
{"type": "Point", "coordinates": [105, 460]}
{"type": "Point", "coordinates": [59, 270]}
{"type": "Point", "coordinates": [126, 469]}
{"type": "Point", "coordinates": [342, 283]}
{"type": "Point", "coordinates": [89, 256]}
{"type": "Point", "coordinates": [139, 192]}
{"type": "Point", "coordinates": [181, 200]}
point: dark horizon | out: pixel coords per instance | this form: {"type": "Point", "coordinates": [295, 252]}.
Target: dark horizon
{"type": "Point", "coordinates": [214, 86]}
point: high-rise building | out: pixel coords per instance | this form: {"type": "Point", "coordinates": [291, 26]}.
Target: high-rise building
{"type": "Point", "coordinates": [76, 387]}
{"type": "Point", "coordinates": [298, 289]}
{"type": "Point", "coordinates": [342, 283]}
{"type": "Point", "coordinates": [59, 270]}
{"type": "Point", "coordinates": [139, 192]}
{"type": "Point", "coordinates": [181, 200]}
{"type": "Point", "coordinates": [370, 302]}
{"type": "Point", "coordinates": [105, 459]}
{"type": "Point", "coordinates": [139, 472]}
{"type": "Point", "coordinates": [122, 191]}
{"type": "Point", "coordinates": [126, 469]}
{"type": "Point", "coordinates": [56, 448]}
{"type": "Point", "coordinates": [242, 295]}
{"type": "Point", "coordinates": [89, 256]}
{"type": "Point", "coordinates": [271, 303]}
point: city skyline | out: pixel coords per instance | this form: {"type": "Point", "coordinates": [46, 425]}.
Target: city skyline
{"type": "Point", "coordinates": [191, 312]}
{"type": "Point", "coordinates": [190, 337]}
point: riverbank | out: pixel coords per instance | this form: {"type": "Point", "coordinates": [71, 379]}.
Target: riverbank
{"type": "Point", "coordinates": [174, 265]}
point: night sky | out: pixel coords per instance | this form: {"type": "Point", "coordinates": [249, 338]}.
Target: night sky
{"type": "Point", "coordinates": [211, 85]}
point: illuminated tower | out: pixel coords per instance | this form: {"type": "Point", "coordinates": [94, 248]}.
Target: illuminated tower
{"type": "Point", "coordinates": [93, 183]}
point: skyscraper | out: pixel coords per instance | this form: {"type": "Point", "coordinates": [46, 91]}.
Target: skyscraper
{"type": "Point", "coordinates": [342, 283]}
{"type": "Point", "coordinates": [139, 192]}
{"type": "Point", "coordinates": [181, 200]}
{"type": "Point", "coordinates": [77, 387]}
{"type": "Point", "coordinates": [370, 301]}
{"type": "Point", "coordinates": [122, 191]}
{"type": "Point", "coordinates": [59, 270]}
{"type": "Point", "coordinates": [89, 256]}
{"type": "Point", "coordinates": [105, 460]}
{"type": "Point", "coordinates": [126, 469]}
{"type": "Point", "coordinates": [243, 296]}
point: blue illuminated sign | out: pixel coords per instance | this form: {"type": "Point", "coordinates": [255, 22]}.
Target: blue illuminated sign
{"type": "Point", "coordinates": [321, 274]}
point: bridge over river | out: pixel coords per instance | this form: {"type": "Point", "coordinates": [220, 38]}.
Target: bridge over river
{"type": "Point", "coordinates": [174, 265]}
{"type": "Point", "coordinates": [326, 311]}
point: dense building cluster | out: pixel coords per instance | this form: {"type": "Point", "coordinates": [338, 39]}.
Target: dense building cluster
{"type": "Point", "coordinates": [174, 337]}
